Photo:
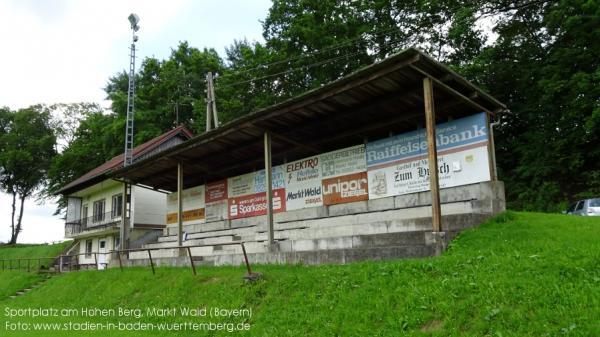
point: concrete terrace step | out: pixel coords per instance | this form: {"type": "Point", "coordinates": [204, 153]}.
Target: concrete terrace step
{"type": "Point", "coordinates": [331, 256]}
{"type": "Point", "coordinates": [399, 216]}
{"type": "Point", "coordinates": [199, 231]}
{"type": "Point", "coordinates": [207, 234]}
{"type": "Point", "coordinates": [222, 225]}
{"type": "Point", "coordinates": [413, 238]}
{"type": "Point", "coordinates": [207, 241]}
{"type": "Point", "coordinates": [356, 211]}
{"type": "Point", "coordinates": [328, 230]}
{"type": "Point", "coordinates": [216, 249]}
{"type": "Point", "coordinates": [396, 220]}
{"type": "Point", "coordinates": [204, 237]}
{"type": "Point", "coordinates": [178, 261]}
{"type": "Point", "coordinates": [329, 235]}
{"type": "Point", "coordinates": [199, 227]}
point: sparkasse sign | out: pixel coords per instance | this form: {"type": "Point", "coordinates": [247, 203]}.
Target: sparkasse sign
{"type": "Point", "coordinates": [255, 204]}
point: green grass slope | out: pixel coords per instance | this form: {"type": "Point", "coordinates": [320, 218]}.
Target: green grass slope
{"type": "Point", "coordinates": [521, 274]}
{"type": "Point", "coordinates": [12, 281]}
{"type": "Point", "coordinates": [30, 252]}
{"type": "Point", "coordinates": [11, 278]}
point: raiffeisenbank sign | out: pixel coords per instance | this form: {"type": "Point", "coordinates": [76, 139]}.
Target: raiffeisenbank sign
{"type": "Point", "coordinates": [383, 168]}
{"type": "Point", "coordinates": [398, 165]}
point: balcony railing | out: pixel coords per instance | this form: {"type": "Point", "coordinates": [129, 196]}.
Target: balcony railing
{"type": "Point", "coordinates": [95, 222]}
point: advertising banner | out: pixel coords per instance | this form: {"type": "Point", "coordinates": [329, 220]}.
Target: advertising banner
{"type": "Point", "coordinates": [347, 188]}
{"type": "Point", "coordinates": [383, 168]}
{"type": "Point", "coordinates": [216, 201]}
{"type": "Point", "coordinates": [216, 191]}
{"type": "Point", "coordinates": [398, 165]}
{"type": "Point", "coordinates": [216, 211]}
{"type": "Point", "coordinates": [193, 205]}
{"type": "Point", "coordinates": [344, 161]}
{"type": "Point", "coordinates": [303, 184]}
{"type": "Point", "coordinates": [191, 215]}
{"type": "Point", "coordinates": [172, 202]}
{"type": "Point", "coordinates": [171, 207]}
{"type": "Point", "coordinates": [255, 204]}
{"type": "Point", "coordinates": [193, 198]}
{"type": "Point", "coordinates": [277, 179]}
{"type": "Point", "coordinates": [240, 185]}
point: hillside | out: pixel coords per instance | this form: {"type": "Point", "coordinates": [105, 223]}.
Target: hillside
{"type": "Point", "coordinates": [32, 251]}
{"type": "Point", "coordinates": [13, 280]}
{"type": "Point", "coordinates": [521, 274]}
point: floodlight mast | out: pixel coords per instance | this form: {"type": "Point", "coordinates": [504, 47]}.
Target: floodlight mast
{"type": "Point", "coordinates": [133, 20]}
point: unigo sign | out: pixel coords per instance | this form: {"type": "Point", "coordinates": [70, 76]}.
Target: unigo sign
{"type": "Point", "coordinates": [348, 188]}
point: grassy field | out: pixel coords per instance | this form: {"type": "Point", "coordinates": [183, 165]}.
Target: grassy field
{"type": "Point", "coordinates": [29, 251]}
{"type": "Point", "coordinates": [521, 274]}
{"type": "Point", "coordinates": [12, 281]}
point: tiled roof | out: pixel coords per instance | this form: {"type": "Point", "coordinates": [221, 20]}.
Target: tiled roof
{"type": "Point", "coordinates": [117, 161]}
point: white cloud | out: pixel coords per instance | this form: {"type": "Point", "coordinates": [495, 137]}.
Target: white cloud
{"type": "Point", "coordinates": [67, 54]}
{"type": "Point", "coordinates": [64, 51]}
{"type": "Point", "coordinates": [38, 223]}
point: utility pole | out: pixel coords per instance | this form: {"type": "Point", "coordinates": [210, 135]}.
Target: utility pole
{"type": "Point", "coordinates": [211, 104]}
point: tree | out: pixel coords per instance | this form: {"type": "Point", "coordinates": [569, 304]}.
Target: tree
{"type": "Point", "coordinates": [237, 90]}
{"type": "Point", "coordinates": [28, 146]}
{"type": "Point", "coordinates": [537, 56]}
{"type": "Point", "coordinates": [96, 139]}
{"type": "Point", "coordinates": [66, 118]}
{"type": "Point", "coordinates": [313, 42]}
{"type": "Point", "coordinates": [168, 92]}
{"type": "Point", "coordinates": [545, 67]}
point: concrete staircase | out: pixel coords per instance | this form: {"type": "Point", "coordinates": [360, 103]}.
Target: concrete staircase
{"type": "Point", "coordinates": [397, 227]}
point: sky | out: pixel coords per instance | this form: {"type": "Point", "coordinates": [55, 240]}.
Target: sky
{"type": "Point", "coordinates": [64, 51]}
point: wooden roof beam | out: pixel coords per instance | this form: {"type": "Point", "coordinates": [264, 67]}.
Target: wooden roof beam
{"type": "Point", "coordinates": [374, 103]}
{"type": "Point", "coordinates": [447, 88]}
{"type": "Point", "coordinates": [295, 142]}
{"type": "Point", "coordinates": [351, 83]}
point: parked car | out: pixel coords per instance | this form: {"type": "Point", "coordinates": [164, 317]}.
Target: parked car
{"type": "Point", "coordinates": [587, 207]}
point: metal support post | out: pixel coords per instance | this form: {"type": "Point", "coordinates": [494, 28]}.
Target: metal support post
{"type": "Point", "coordinates": [269, 187]}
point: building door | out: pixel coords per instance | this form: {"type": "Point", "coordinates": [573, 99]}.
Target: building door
{"type": "Point", "coordinates": [102, 254]}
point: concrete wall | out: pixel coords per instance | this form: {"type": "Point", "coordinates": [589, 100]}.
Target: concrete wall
{"type": "Point", "coordinates": [148, 207]}
{"type": "Point", "coordinates": [387, 228]}
{"type": "Point", "coordinates": [101, 191]}
{"type": "Point", "coordinates": [110, 245]}
{"type": "Point", "coordinates": [482, 198]}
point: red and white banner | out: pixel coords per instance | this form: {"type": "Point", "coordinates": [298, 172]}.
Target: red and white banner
{"type": "Point", "coordinates": [255, 204]}
{"type": "Point", "coordinates": [216, 191]}
{"type": "Point", "coordinates": [216, 201]}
